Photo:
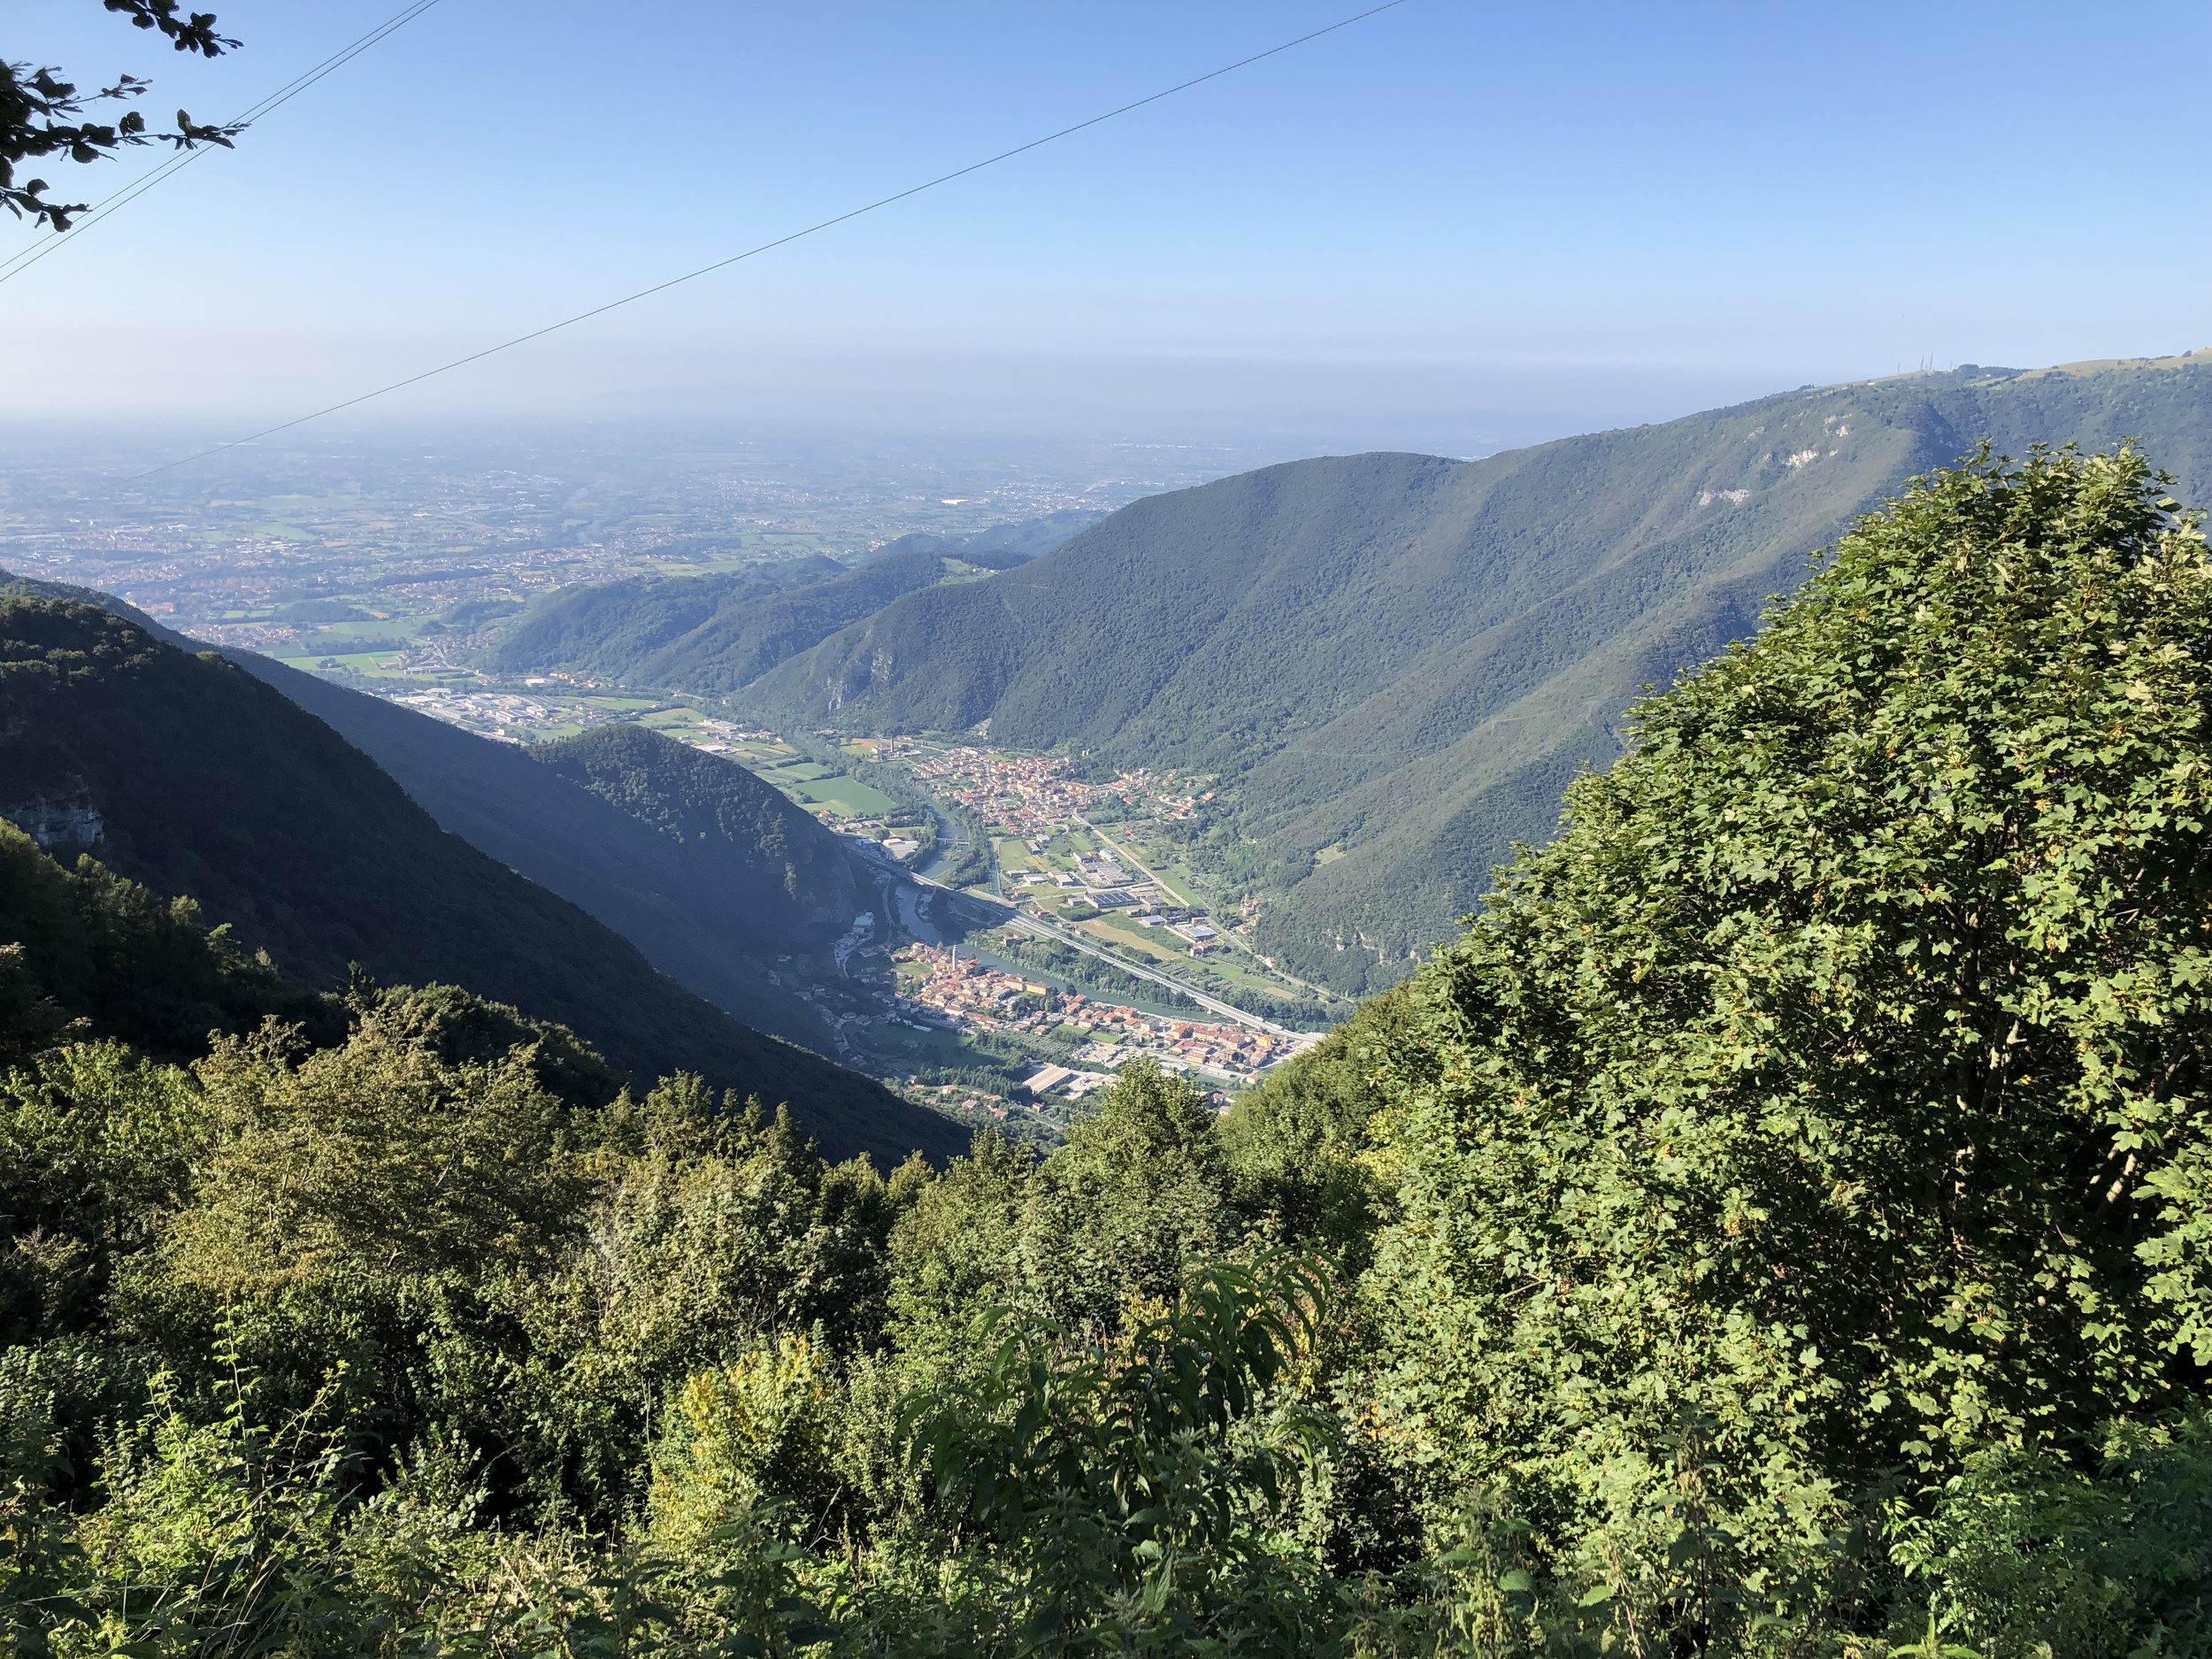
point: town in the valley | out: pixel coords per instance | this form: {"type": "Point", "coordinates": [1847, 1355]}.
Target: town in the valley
{"type": "Point", "coordinates": [939, 984]}
{"type": "Point", "coordinates": [1030, 796]}
{"type": "Point", "coordinates": [1109, 956]}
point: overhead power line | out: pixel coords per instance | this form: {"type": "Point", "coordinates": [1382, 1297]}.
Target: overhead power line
{"type": "Point", "coordinates": [780, 242]}
{"type": "Point", "coordinates": [29, 256]}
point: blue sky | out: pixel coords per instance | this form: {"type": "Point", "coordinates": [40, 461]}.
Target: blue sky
{"type": "Point", "coordinates": [1562, 212]}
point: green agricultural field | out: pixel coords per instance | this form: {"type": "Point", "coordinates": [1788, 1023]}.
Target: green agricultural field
{"type": "Point", "coordinates": [762, 757]}
{"type": "Point", "coordinates": [1155, 944]}
{"type": "Point", "coordinates": [813, 784]}
{"type": "Point", "coordinates": [1014, 857]}
{"type": "Point", "coordinates": [358, 662]}
{"type": "Point", "coordinates": [1158, 855]}
{"type": "Point", "coordinates": [847, 796]}
{"type": "Point", "coordinates": [1228, 969]}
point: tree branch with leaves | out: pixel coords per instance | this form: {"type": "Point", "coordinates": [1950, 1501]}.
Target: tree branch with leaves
{"type": "Point", "coordinates": [44, 115]}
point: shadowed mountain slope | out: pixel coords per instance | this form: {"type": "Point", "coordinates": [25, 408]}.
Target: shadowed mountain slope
{"type": "Point", "coordinates": [711, 903]}
{"type": "Point", "coordinates": [709, 909]}
{"type": "Point", "coordinates": [791, 878]}
{"type": "Point", "coordinates": [85, 954]}
{"type": "Point", "coordinates": [187, 774]}
{"type": "Point", "coordinates": [1403, 660]}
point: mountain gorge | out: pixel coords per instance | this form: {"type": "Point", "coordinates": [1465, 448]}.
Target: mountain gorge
{"type": "Point", "coordinates": [1395, 663]}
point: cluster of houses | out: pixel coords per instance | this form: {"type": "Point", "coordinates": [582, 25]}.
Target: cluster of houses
{"type": "Point", "coordinates": [1031, 794]}
{"type": "Point", "coordinates": [956, 992]}
{"type": "Point", "coordinates": [1230, 1052]}
{"type": "Point", "coordinates": [965, 992]}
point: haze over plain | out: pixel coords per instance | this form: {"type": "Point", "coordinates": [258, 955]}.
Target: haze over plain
{"type": "Point", "coordinates": [1452, 229]}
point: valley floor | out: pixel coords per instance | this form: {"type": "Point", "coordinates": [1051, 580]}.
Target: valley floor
{"type": "Point", "coordinates": [1083, 941]}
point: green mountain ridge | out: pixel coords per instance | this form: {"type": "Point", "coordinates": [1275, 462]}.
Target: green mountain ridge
{"type": "Point", "coordinates": [713, 634]}
{"type": "Point", "coordinates": [1405, 658]}
{"type": "Point", "coordinates": [621, 621]}
{"type": "Point", "coordinates": [185, 773]}
{"type": "Point", "coordinates": [1002, 546]}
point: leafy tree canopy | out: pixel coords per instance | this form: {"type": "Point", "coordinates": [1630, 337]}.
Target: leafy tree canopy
{"type": "Point", "coordinates": [1826, 1106]}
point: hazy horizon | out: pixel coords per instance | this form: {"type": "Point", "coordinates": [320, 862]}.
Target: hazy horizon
{"type": "Point", "coordinates": [1444, 228]}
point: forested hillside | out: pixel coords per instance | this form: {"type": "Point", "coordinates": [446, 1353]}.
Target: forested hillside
{"type": "Point", "coordinates": [713, 634]}
{"type": "Point", "coordinates": [1403, 660]}
{"type": "Point", "coordinates": [615, 623]}
{"type": "Point", "coordinates": [710, 909]}
{"type": "Point", "coordinates": [85, 955]}
{"type": "Point", "coordinates": [185, 773]}
{"type": "Point", "coordinates": [1002, 546]}
{"type": "Point", "coordinates": [1777, 1228]}
{"type": "Point", "coordinates": [785, 879]}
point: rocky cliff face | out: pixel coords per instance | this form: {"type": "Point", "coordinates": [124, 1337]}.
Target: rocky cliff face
{"type": "Point", "coordinates": [58, 823]}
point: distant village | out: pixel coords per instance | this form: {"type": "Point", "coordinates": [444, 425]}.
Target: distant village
{"type": "Point", "coordinates": [941, 986]}
{"type": "Point", "coordinates": [1030, 796]}
{"type": "Point", "coordinates": [508, 717]}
